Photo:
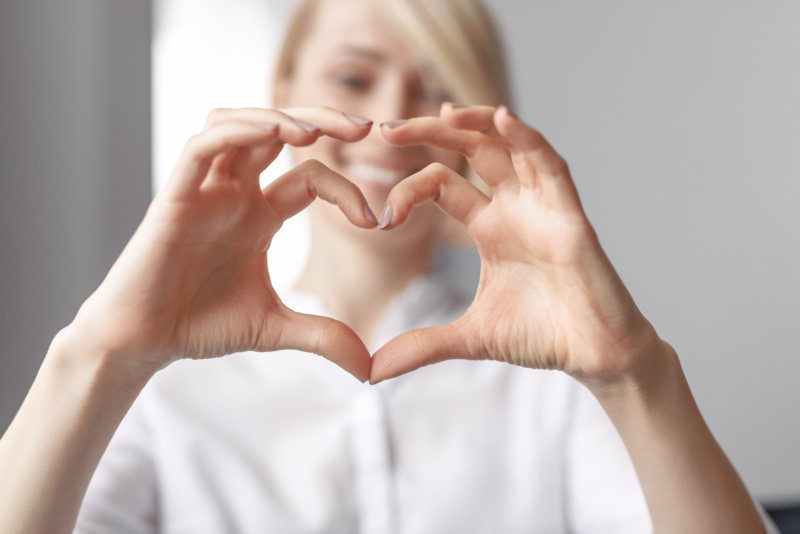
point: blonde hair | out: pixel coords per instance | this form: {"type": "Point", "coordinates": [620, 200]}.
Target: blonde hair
{"type": "Point", "coordinates": [458, 38]}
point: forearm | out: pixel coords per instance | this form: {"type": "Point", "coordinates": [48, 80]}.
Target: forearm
{"type": "Point", "coordinates": [688, 482]}
{"type": "Point", "coordinates": [51, 449]}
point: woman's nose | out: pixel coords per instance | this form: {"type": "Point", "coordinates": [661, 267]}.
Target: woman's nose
{"type": "Point", "coordinates": [394, 101]}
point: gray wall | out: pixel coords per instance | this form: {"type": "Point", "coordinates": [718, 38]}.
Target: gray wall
{"type": "Point", "coordinates": [74, 164]}
{"type": "Point", "coordinates": [680, 121]}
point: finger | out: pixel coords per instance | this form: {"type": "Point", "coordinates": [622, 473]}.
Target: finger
{"type": "Point", "coordinates": [305, 123]}
{"type": "Point", "coordinates": [295, 190]}
{"type": "Point", "coordinates": [487, 157]}
{"type": "Point", "coordinates": [536, 161]}
{"type": "Point", "coordinates": [220, 165]}
{"type": "Point", "coordinates": [448, 189]}
{"type": "Point", "coordinates": [329, 338]}
{"type": "Point", "coordinates": [294, 132]}
{"type": "Point", "coordinates": [417, 348]}
{"type": "Point", "coordinates": [475, 118]}
{"type": "Point", "coordinates": [333, 123]}
{"type": "Point", "coordinates": [195, 162]}
{"type": "Point", "coordinates": [309, 123]}
{"type": "Point", "coordinates": [249, 163]}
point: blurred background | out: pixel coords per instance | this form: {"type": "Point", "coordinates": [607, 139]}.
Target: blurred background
{"type": "Point", "coordinates": [681, 123]}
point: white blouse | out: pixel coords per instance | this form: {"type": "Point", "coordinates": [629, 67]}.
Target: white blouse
{"type": "Point", "coordinates": [287, 442]}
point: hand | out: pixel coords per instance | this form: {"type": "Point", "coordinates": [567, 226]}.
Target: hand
{"type": "Point", "coordinates": [193, 281]}
{"type": "Point", "coordinates": [548, 296]}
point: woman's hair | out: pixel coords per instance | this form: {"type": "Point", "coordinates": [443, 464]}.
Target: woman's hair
{"type": "Point", "coordinates": [458, 38]}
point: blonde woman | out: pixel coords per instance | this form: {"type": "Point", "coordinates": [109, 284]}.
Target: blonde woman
{"type": "Point", "coordinates": [287, 442]}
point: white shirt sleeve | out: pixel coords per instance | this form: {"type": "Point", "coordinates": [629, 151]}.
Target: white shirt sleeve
{"type": "Point", "coordinates": [122, 495]}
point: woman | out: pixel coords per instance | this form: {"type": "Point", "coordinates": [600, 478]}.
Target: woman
{"type": "Point", "coordinates": [286, 442]}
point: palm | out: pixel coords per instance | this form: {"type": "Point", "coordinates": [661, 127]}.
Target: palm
{"type": "Point", "coordinates": [224, 301]}
{"type": "Point", "coordinates": [537, 308]}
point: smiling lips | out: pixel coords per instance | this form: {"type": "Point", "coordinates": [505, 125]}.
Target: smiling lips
{"type": "Point", "coordinates": [373, 174]}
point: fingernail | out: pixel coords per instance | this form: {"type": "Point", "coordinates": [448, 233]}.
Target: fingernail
{"type": "Point", "coordinates": [307, 126]}
{"type": "Point", "coordinates": [269, 126]}
{"type": "Point", "coordinates": [457, 106]}
{"type": "Point", "coordinates": [361, 121]}
{"type": "Point", "coordinates": [386, 217]}
{"type": "Point", "coordinates": [394, 124]}
{"type": "Point", "coordinates": [369, 215]}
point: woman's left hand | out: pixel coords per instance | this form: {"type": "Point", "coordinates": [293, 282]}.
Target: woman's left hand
{"type": "Point", "coordinates": [548, 296]}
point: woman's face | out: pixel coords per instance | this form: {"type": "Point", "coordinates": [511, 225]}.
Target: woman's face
{"type": "Point", "coordinates": [353, 61]}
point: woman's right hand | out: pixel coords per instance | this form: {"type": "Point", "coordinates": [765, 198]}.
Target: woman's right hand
{"type": "Point", "coordinates": [193, 280]}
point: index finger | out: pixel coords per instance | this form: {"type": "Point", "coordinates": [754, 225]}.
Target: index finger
{"type": "Point", "coordinates": [475, 118]}
{"type": "Point", "coordinates": [295, 190]}
{"type": "Point", "coordinates": [531, 142]}
{"type": "Point", "coordinates": [201, 149]}
{"type": "Point", "coordinates": [332, 122]}
{"type": "Point", "coordinates": [487, 157]}
{"type": "Point", "coordinates": [301, 125]}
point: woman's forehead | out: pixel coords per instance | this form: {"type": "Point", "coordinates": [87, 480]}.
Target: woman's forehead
{"type": "Point", "coordinates": [359, 30]}
{"type": "Point", "coordinates": [354, 27]}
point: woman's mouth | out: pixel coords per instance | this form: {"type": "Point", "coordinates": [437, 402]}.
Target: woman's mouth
{"type": "Point", "coordinates": [372, 174]}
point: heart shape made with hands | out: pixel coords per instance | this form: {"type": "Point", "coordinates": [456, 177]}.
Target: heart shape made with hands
{"type": "Point", "coordinates": [547, 297]}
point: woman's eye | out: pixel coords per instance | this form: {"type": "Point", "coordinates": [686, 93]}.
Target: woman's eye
{"type": "Point", "coordinates": [355, 83]}
{"type": "Point", "coordinates": [431, 94]}
{"type": "Point", "coordinates": [437, 96]}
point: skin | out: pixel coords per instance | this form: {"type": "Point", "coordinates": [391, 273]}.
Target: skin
{"type": "Point", "coordinates": [193, 283]}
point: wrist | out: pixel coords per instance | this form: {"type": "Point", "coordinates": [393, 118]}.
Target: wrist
{"type": "Point", "coordinates": [77, 353]}
{"type": "Point", "coordinates": [655, 378]}
{"type": "Point", "coordinates": [687, 480]}
{"type": "Point", "coordinates": [72, 410]}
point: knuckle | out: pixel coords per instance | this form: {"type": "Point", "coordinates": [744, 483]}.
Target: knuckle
{"type": "Point", "coordinates": [323, 338]}
{"type": "Point", "coordinates": [192, 143]}
{"type": "Point", "coordinates": [470, 145]}
{"type": "Point", "coordinates": [227, 140]}
{"type": "Point", "coordinates": [440, 172]}
{"type": "Point", "coordinates": [438, 169]}
{"type": "Point", "coordinates": [535, 139]}
{"type": "Point", "coordinates": [468, 150]}
{"type": "Point", "coordinates": [216, 116]}
{"type": "Point", "coordinates": [314, 166]}
{"type": "Point", "coordinates": [560, 168]}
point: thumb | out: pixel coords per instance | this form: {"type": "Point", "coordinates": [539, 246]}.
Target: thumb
{"type": "Point", "coordinates": [417, 348]}
{"type": "Point", "coordinates": [327, 337]}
